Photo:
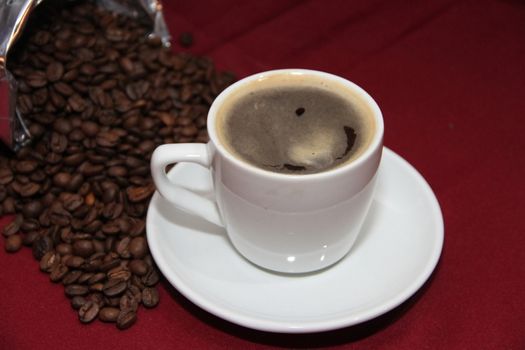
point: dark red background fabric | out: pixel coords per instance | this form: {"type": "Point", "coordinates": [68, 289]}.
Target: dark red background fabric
{"type": "Point", "coordinates": [449, 77]}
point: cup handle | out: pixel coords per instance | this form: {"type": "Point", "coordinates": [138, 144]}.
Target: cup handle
{"type": "Point", "coordinates": [183, 198]}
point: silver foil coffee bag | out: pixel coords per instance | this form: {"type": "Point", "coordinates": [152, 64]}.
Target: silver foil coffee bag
{"type": "Point", "coordinates": [14, 15]}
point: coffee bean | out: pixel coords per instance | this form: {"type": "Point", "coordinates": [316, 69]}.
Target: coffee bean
{"type": "Point", "coordinates": [88, 312]}
{"type": "Point", "coordinates": [96, 287]}
{"type": "Point", "coordinates": [26, 166]}
{"type": "Point", "coordinates": [85, 27]}
{"type": "Point", "coordinates": [112, 302]}
{"type": "Point", "coordinates": [146, 147]}
{"type": "Point", "coordinates": [62, 45]}
{"type": "Point", "coordinates": [74, 261]}
{"type": "Point", "coordinates": [41, 246]}
{"type": "Point", "coordinates": [108, 84]}
{"type": "Point", "coordinates": [119, 273]}
{"type": "Point", "coordinates": [54, 71]}
{"type": "Point", "coordinates": [64, 249]}
{"type": "Point", "coordinates": [189, 131]}
{"type": "Point", "coordinates": [138, 194]}
{"type": "Point", "coordinates": [84, 278]}
{"type": "Point", "coordinates": [30, 225]}
{"type": "Point", "coordinates": [98, 158]}
{"type": "Point", "coordinates": [14, 226]}
{"type": "Point", "coordinates": [28, 189]}
{"type": "Point", "coordinates": [111, 228]}
{"type": "Point", "coordinates": [97, 277]}
{"type": "Point", "coordinates": [53, 159]}
{"type": "Point", "coordinates": [117, 171]}
{"type": "Point", "coordinates": [62, 126]}
{"type": "Point", "coordinates": [98, 244]}
{"type": "Point", "coordinates": [83, 248]}
{"type": "Point", "coordinates": [71, 74]}
{"type": "Point", "coordinates": [9, 205]}
{"type": "Point", "coordinates": [138, 267]}
{"type": "Point", "coordinates": [62, 179]}
{"type": "Point", "coordinates": [126, 319]}
{"type": "Point", "coordinates": [13, 243]}
{"type": "Point", "coordinates": [138, 247]}
{"type": "Point", "coordinates": [76, 182]}
{"type": "Point", "coordinates": [113, 211]}
{"type": "Point", "coordinates": [126, 64]}
{"type": "Point", "coordinates": [32, 209]}
{"type": "Point", "coordinates": [76, 135]}
{"type": "Point", "coordinates": [29, 238]}
{"type": "Point", "coordinates": [48, 199]}
{"type": "Point", "coordinates": [89, 169]}
{"type": "Point", "coordinates": [135, 292]}
{"type": "Point", "coordinates": [58, 144]}
{"type": "Point", "coordinates": [151, 278]}
{"type": "Point", "coordinates": [114, 287]}
{"type": "Point", "coordinates": [76, 290]}
{"type": "Point", "coordinates": [90, 199]}
{"type": "Point", "coordinates": [58, 215]}
{"type": "Point", "coordinates": [58, 272]}
{"type": "Point", "coordinates": [138, 227]}
{"type": "Point", "coordinates": [77, 302]}
{"type": "Point", "coordinates": [97, 298]}
{"type": "Point", "coordinates": [57, 99]}
{"type": "Point", "coordinates": [71, 276]}
{"type": "Point", "coordinates": [90, 217]}
{"type": "Point", "coordinates": [150, 297]}
{"type": "Point", "coordinates": [36, 79]}
{"type": "Point", "coordinates": [66, 236]}
{"type": "Point", "coordinates": [6, 176]}
{"type": "Point", "coordinates": [133, 162]}
{"type": "Point", "coordinates": [49, 261]}
{"type": "Point", "coordinates": [90, 128]}
{"type": "Point", "coordinates": [76, 103]}
{"type": "Point", "coordinates": [93, 226]}
{"type": "Point", "coordinates": [122, 247]}
{"type": "Point", "coordinates": [38, 176]}
{"type": "Point", "coordinates": [64, 89]}
{"type": "Point", "coordinates": [25, 105]}
{"type": "Point", "coordinates": [107, 139]}
{"type": "Point", "coordinates": [129, 301]}
{"type": "Point", "coordinates": [72, 202]}
{"type": "Point", "coordinates": [43, 218]}
{"type": "Point", "coordinates": [137, 282]}
{"type": "Point", "coordinates": [108, 314]}
{"type": "Point", "coordinates": [88, 69]}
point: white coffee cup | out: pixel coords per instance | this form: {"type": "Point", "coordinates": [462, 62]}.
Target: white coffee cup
{"type": "Point", "coordinates": [282, 222]}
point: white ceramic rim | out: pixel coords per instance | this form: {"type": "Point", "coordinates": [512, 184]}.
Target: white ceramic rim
{"type": "Point", "coordinates": [375, 143]}
{"type": "Point", "coordinates": [325, 325]}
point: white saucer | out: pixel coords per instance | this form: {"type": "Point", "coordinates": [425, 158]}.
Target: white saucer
{"type": "Point", "coordinates": [396, 252]}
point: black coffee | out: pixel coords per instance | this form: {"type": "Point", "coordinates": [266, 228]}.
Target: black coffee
{"type": "Point", "coordinates": [294, 129]}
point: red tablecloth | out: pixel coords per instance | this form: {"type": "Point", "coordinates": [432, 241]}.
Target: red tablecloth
{"type": "Point", "coordinates": [450, 79]}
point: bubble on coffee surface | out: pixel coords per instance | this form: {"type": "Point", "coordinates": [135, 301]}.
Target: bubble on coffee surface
{"type": "Point", "coordinates": [297, 130]}
{"type": "Point", "coordinates": [299, 111]}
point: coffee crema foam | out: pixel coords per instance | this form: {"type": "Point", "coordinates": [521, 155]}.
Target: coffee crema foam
{"type": "Point", "coordinates": [295, 125]}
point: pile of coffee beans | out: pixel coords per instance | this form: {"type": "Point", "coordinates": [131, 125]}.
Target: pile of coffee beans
{"type": "Point", "coordinates": [98, 95]}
